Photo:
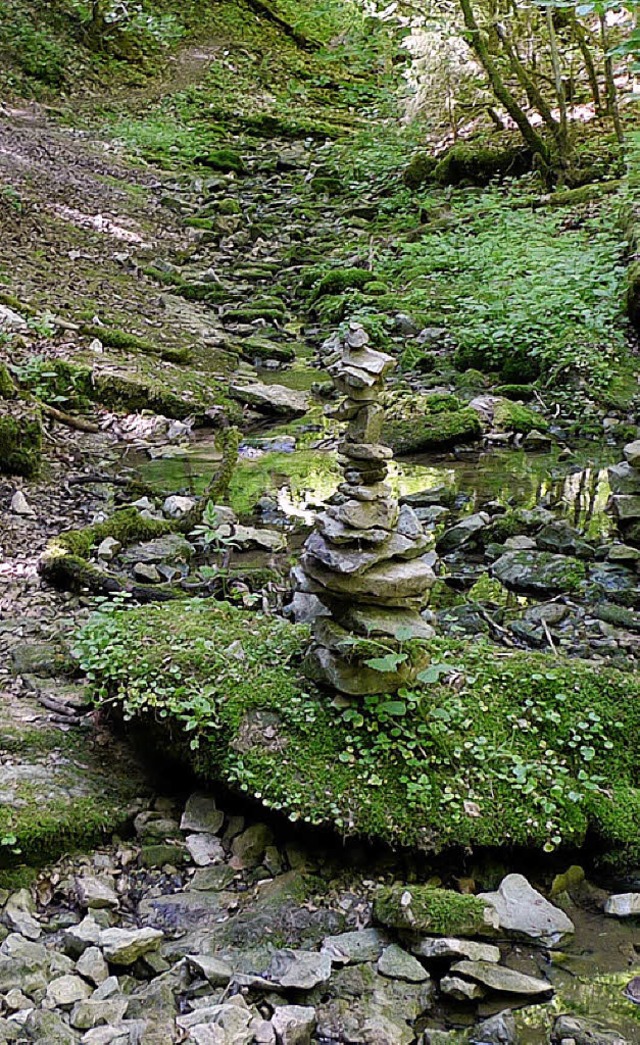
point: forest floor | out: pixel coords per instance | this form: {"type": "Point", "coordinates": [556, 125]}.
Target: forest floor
{"type": "Point", "coordinates": [158, 266]}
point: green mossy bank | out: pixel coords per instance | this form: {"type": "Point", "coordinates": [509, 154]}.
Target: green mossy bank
{"type": "Point", "coordinates": [495, 749]}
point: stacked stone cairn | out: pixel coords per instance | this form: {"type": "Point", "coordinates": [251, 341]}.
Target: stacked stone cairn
{"type": "Point", "coordinates": [624, 479]}
{"type": "Point", "coordinates": [368, 558]}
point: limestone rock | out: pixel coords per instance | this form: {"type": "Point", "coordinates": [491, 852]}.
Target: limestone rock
{"type": "Point", "coordinates": [522, 911]}
{"type": "Point", "coordinates": [388, 584]}
{"type": "Point", "coordinates": [217, 972]}
{"type": "Point", "coordinates": [201, 815]}
{"type": "Point", "coordinates": [623, 905]}
{"type": "Point", "coordinates": [249, 847]}
{"type": "Point", "coordinates": [271, 399]}
{"type": "Point", "coordinates": [92, 966]}
{"type": "Point", "coordinates": [18, 915]}
{"type": "Point", "coordinates": [20, 504]}
{"type": "Point", "coordinates": [205, 849]}
{"type": "Point", "coordinates": [91, 1013]}
{"type": "Point", "coordinates": [464, 531]}
{"type": "Point", "coordinates": [500, 978]}
{"type": "Point", "coordinates": [347, 948]}
{"type": "Point", "coordinates": [66, 991]}
{"type": "Point", "coordinates": [294, 1024]}
{"type": "Point", "coordinates": [397, 964]}
{"type": "Point", "coordinates": [125, 946]}
{"type": "Point", "coordinates": [497, 1030]}
{"type": "Point", "coordinates": [461, 990]}
{"type": "Point", "coordinates": [95, 893]}
{"type": "Point", "coordinates": [632, 453]}
{"type": "Point", "coordinates": [450, 947]}
{"type": "Point", "coordinates": [77, 938]}
{"type": "Point", "coordinates": [301, 970]}
{"type": "Point", "coordinates": [539, 572]}
{"type": "Point", "coordinates": [583, 1032]}
{"type": "Point", "coordinates": [176, 506]}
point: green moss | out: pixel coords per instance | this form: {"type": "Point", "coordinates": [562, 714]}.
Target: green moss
{"type": "Point", "coordinates": [45, 830]}
{"type": "Point", "coordinates": [20, 438]}
{"type": "Point", "coordinates": [439, 911]}
{"type": "Point", "coordinates": [514, 417]}
{"type": "Point", "coordinates": [249, 315]}
{"type": "Point", "coordinates": [339, 280]}
{"type": "Point", "coordinates": [113, 337]}
{"type": "Point", "coordinates": [480, 165]}
{"type": "Point", "coordinates": [633, 294]}
{"type": "Point", "coordinates": [227, 161]}
{"type": "Point", "coordinates": [616, 828]}
{"type": "Point", "coordinates": [433, 431]}
{"type": "Point", "coordinates": [515, 392]}
{"type": "Point", "coordinates": [420, 170]}
{"type": "Point", "coordinates": [7, 387]}
{"type": "Point", "coordinates": [261, 348]}
{"type": "Point", "coordinates": [200, 223]}
{"type": "Point", "coordinates": [531, 741]}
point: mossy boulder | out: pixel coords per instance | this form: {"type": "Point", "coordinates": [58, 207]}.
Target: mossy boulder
{"type": "Point", "coordinates": [494, 761]}
{"type": "Point", "coordinates": [479, 165]}
{"type": "Point", "coordinates": [7, 387]}
{"type": "Point", "coordinates": [442, 912]}
{"type": "Point", "coordinates": [633, 295]}
{"type": "Point", "coordinates": [339, 280]}
{"type": "Point", "coordinates": [225, 160]}
{"type": "Point", "coordinates": [20, 437]}
{"type": "Point", "coordinates": [539, 572]}
{"type": "Point", "coordinates": [510, 416]}
{"type": "Point", "coordinates": [420, 170]}
{"type": "Point", "coordinates": [433, 431]}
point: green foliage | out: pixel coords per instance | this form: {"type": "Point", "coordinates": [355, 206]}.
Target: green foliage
{"type": "Point", "coordinates": [491, 751]}
{"type": "Point", "coordinates": [55, 381]}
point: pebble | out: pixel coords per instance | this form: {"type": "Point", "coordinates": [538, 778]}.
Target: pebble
{"type": "Point", "coordinates": [21, 506]}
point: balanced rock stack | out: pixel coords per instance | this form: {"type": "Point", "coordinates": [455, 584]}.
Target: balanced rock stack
{"type": "Point", "coordinates": [624, 479]}
{"type": "Point", "coordinates": [368, 559]}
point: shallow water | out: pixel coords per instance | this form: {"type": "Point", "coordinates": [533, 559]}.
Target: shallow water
{"type": "Point", "coordinates": [575, 486]}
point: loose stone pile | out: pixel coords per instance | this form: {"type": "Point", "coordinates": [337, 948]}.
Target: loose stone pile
{"type": "Point", "coordinates": [368, 559]}
{"type": "Point", "coordinates": [624, 479]}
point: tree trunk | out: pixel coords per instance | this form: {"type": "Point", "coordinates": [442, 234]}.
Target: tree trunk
{"type": "Point", "coordinates": [580, 37]}
{"type": "Point", "coordinates": [502, 93]}
{"type": "Point", "coordinates": [562, 136]}
{"type": "Point", "coordinates": [612, 93]}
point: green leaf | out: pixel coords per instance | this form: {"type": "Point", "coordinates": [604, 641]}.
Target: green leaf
{"type": "Point", "coordinates": [393, 707]}
{"type": "Point", "coordinates": [390, 662]}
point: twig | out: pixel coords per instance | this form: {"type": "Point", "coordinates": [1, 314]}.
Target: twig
{"type": "Point", "coordinates": [549, 638]}
{"type": "Point", "coordinates": [503, 632]}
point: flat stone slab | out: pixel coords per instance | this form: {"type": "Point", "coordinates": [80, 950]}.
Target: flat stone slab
{"type": "Point", "coordinates": [522, 911]}
{"type": "Point", "coordinates": [397, 964]}
{"type": "Point", "coordinates": [349, 948]}
{"type": "Point", "coordinates": [271, 399]}
{"type": "Point", "coordinates": [500, 978]}
{"type": "Point", "coordinates": [302, 970]}
{"type": "Point", "coordinates": [451, 947]}
{"type": "Point", "coordinates": [386, 584]}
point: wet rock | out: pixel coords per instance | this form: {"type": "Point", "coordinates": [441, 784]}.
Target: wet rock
{"type": "Point", "coordinates": [623, 905]}
{"type": "Point", "coordinates": [500, 978]}
{"type": "Point", "coordinates": [539, 572]}
{"type": "Point", "coordinates": [205, 849]}
{"type": "Point", "coordinates": [349, 948]}
{"type": "Point", "coordinates": [584, 1032]}
{"type": "Point", "coordinates": [449, 947]}
{"type": "Point", "coordinates": [201, 815]}
{"type": "Point", "coordinates": [497, 1030]}
{"type": "Point", "coordinates": [461, 990]}
{"type": "Point", "coordinates": [95, 893]}
{"type": "Point", "coordinates": [397, 964]}
{"type": "Point", "coordinates": [522, 911]}
{"type": "Point", "coordinates": [463, 532]}
{"type": "Point", "coordinates": [66, 991]}
{"type": "Point", "coordinates": [125, 946]}
{"type": "Point", "coordinates": [301, 970]}
{"type": "Point", "coordinates": [293, 1024]}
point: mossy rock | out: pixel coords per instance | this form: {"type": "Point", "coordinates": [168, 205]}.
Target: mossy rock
{"type": "Point", "coordinates": [479, 165]}
{"type": "Point", "coordinates": [515, 392]}
{"type": "Point", "coordinates": [113, 337]}
{"type": "Point", "coordinates": [20, 437]}
{"type": "Point", "coordinates": [227, 161]}
{"type": "Point", "coordinates": [433, 431]}
{"type": "Point", "coordinates": [339, 280]}
{"type": "Point", "coordinates": [420, 170]}
{"type": "Point", "coordinates": [502, 739]}
{"type": "Point", "coordinates": [7, 387]}
{"type": "Point", "coordinates": [633, 295]}
{"type": "Point", "coordinates": [514, 417]}
{"type": "Point", "coordinates": [420, 908]}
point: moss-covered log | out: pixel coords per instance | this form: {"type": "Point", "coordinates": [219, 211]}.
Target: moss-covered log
{"type": "Point", "coordinates": [20, 437]}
